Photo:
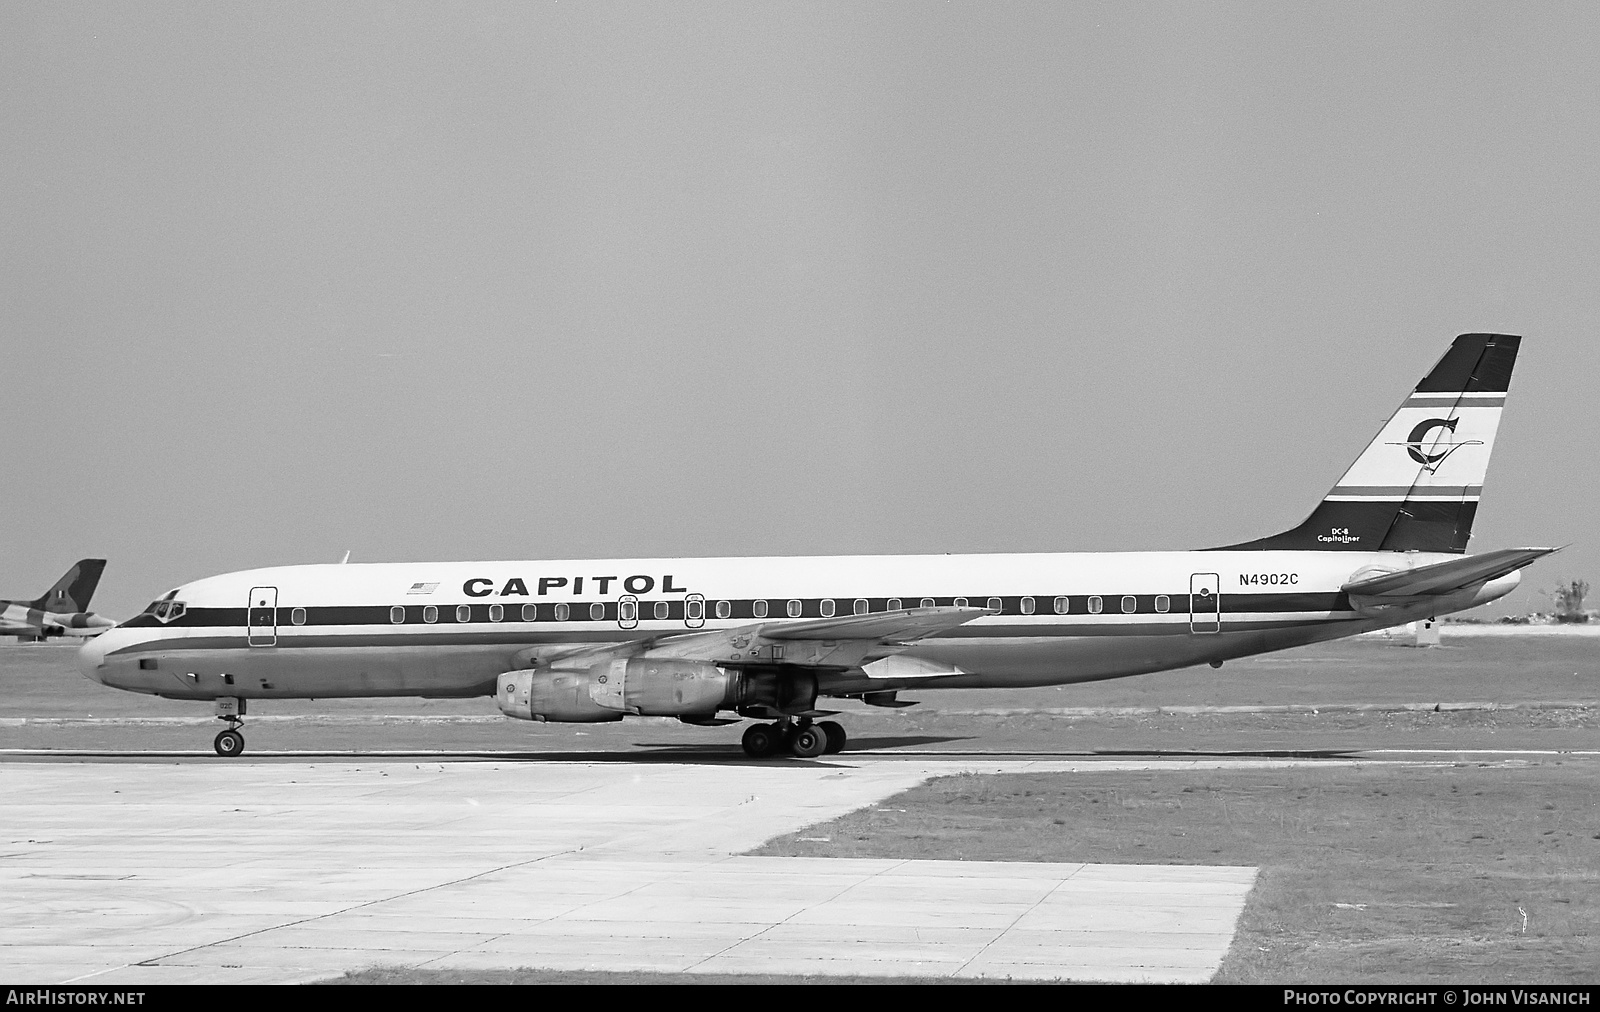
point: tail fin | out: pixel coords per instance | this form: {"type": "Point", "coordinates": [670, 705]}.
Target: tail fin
{"type": "Point", "coordinates": [73, 591]}
{"type": "Point", "coordinates": [1416, 487]}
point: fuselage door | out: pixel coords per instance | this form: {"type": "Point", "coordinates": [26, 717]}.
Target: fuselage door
{"type": "Point", "coordinates": [1205, 603]}
{"type": "Point", "coordinates": [694, 611]}
{"type": "Point", "coordinates": [262, 621]}
{"type": "Point", "coordinates": [627, 611]}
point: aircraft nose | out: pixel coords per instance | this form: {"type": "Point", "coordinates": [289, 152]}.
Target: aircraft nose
{"type": "Point", "coordinates": [90, 656]}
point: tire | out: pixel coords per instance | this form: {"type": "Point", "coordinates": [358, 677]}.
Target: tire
{"type": "Point", "coordinates": [836, 736]}
{"type": "Point", "coordinates": [761, 741]}
{"type": "Point", "coordinates": [809, 742]}
{"type": "Point", "coordinates": [229, 743]}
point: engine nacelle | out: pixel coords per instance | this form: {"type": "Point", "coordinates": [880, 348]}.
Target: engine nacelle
{"type": "Point", "coordinates": [611, 689]}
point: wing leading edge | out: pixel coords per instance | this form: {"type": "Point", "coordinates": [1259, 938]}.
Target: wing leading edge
{"type": "Point", "coordinates": [884, 627]}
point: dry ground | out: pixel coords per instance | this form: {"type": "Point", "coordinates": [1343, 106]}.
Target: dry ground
{"type": "Point", "coordinates": [1464, 873]}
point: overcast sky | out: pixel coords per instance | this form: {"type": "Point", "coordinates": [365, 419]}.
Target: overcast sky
{"type": "Point", "coordinates": [587, 280]}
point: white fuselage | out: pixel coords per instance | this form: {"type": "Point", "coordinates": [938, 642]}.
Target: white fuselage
{"type": "Point", "coordinates": [449, 629]}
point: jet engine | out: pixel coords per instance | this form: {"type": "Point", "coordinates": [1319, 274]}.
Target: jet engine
{"type": "Point", "coordinates": [611, 689]}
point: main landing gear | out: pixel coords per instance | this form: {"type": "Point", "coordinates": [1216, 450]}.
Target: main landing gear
{"type": "Point", "coordinates": [231, 741]}
{"type": "Point", "coordinates": [798, 736]}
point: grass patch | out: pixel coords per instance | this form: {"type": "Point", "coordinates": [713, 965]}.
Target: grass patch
{"type": "Point", "coordinates": [1380, 873]}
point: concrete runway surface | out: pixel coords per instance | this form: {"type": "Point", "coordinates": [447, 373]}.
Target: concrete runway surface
{"type": "Point", "coordinates": [283, 870]}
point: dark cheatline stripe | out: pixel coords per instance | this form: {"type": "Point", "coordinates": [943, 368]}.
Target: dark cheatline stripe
{"type": "Point", "coordinates": [515, 638]}
{"type": "Point", "coordinates": [1450, 401]}
{"type": "Point", "coordinates": [1238, 603]}
{"type": "Point", "coordinates": [1402, 492]}
{"type": "Point", "coordinates": [582, 622]}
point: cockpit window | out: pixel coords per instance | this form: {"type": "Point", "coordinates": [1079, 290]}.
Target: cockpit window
{"type": "Point", "coordinates": [166, 609]}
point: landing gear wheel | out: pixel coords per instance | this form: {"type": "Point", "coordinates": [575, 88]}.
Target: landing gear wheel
{"type": "Point", "coordinates": [761, 740]}
{"type": "Point", "coordinates": [229, 743]}
{"type": "Point", "coordinates": [836, 736]}
{"type": "Point", "coordinates": [809, 742]}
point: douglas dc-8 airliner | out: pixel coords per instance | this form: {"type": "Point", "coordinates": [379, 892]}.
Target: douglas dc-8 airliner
{"type": "Point", "coordinates": [773, 638]}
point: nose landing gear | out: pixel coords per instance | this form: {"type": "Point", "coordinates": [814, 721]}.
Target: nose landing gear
{"type": "Point", "coordinates": [231, 741]}
{"type": "Point", "coordinates": [798, 736]}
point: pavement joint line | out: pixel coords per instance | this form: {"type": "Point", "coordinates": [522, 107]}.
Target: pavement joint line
{"type": "Point", "coordinates": [567, 912]}
{"type": "Point", "coordinates": [1018, 919]}
{"type": "Point", "coordinates": [752, 937]}
{"type": "Point", "coordinates": [157, 960]}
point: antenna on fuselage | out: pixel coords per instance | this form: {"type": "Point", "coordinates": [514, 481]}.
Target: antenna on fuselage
{"type": "Point", "coordinates": [346, 557]}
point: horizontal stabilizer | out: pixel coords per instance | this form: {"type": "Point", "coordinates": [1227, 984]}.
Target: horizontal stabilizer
{"type": "Point", "coordinates": [1446, 577]}
{"type": "Point", "coordinates": [887, 626]}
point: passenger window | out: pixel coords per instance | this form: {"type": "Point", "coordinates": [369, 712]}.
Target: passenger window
{"type": "Point", "coordinates": [497, 612]}
{"type": "Point", "coordinates": [759, 609]}
{"type": "Point", "coordinates": [463, 613]}
{"type": "Point", "coordinates": [662, 610]}
{"type": "Point", "coordinates": [430, 614]}
{"type": "Point", "coordinates": [530, 613]}
{"type": "Point", "coordinates": [827, 607]}
{"type": "Point", "coordinates": [397, 615]}
{"type": "Point", "coordinates": [995, 604]}
{"type": "Point", "coordinates": [597, 611]}
{"type": "Point", "coordinates": [1096, 605]}
{"type": "Point", "coordinates": [1027, 606]}
{"type": "Point", "coordinates": [724, 609]}
{"type": "Point", "coordinates": [894, 604]}
{"type": "Point", "coordinates": [1129, 605]}
{"type": "Point", "coordinates": [298, 616]}
{"type": "Point", "coordinates": [861, 606]}
{"type": "Point", "coordinates": [563, 612]}
{"type": "Point", "coordinates": [1163, 603]}
{"type": "Point", "coordinates": [694, 609]}
{"type": "Point", "coordinates": [1062, 605]}
{"type": "Point", "coordinates": [628, 610]}
{"type": "Point", "coordinates": [794, 609]}
{"type": "Point", "coordinates": [927, 602]}
{"type": "Point", "coordinates": [960, 602]}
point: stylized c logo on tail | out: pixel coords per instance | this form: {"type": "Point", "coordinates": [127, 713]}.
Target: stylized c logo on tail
{"type": "Point", "coordinates": [1431, 461]}
{"type": "Point", "coordinates": [1414, 441]}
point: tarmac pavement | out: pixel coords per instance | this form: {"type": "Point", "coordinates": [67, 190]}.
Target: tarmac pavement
{"type": "Point", "coordinates": [279, 870]}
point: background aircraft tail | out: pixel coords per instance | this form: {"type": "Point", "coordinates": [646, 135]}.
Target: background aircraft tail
{"type": "Point", "coordinates": [73, 591]}
{"type": "Point", "coordinates": [1416, 487]}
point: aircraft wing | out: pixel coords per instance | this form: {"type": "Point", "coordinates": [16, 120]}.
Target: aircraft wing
{"type": "Point", "coordinates": [1446, 577]}
{"type": "Point", "coordinates": [891, 626]}
{"type": "Point", "coordinates": [836, 643]}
